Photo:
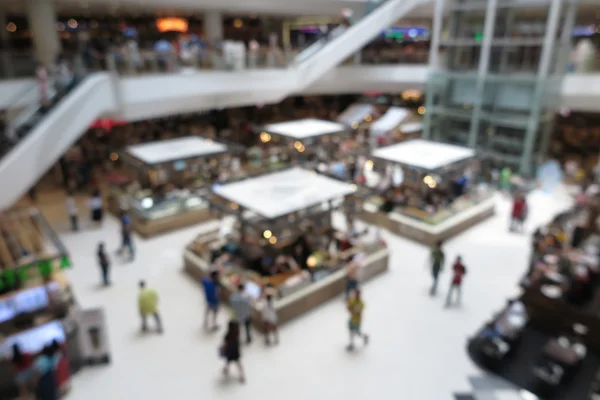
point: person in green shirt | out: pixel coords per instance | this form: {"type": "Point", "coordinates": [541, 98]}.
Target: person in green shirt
{"type": "Point", "coordinates": [355, 308]}
{"type": "Point", "coordinates": [148, 305]}
{"type": "Point", "coordinates": [437, 264]}
{"type": "Point", "coordinates": [505, 176]}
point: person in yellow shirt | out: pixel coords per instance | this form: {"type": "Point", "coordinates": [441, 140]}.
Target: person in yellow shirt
{"type": "Point", "coordinates": [355, 308]}
{"type": "Point", "coordinates": [148, 305]}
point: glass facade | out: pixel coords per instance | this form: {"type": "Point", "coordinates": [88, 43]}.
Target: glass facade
{"type": "Point", "coordinates": [498, 86]}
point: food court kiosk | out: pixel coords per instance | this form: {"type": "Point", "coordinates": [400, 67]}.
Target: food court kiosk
{"type": "Point", "coordinates": [281, 240]}
{"type": "Point", "coordinates": [165, 182]}
{"type": "Point", "coordinates": [428, 191]}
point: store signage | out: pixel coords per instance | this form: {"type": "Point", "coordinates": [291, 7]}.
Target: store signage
{"type": "Point", "coordinates": [172, 25]}
{"type": "Point", "coordinates": [10, 277]}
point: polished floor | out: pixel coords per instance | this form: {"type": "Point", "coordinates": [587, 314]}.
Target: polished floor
{"type": "Point", "coordinates": [417, 349]}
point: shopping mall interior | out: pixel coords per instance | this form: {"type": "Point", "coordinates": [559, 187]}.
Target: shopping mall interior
{"type": "Point", "coordinates": [380, 198]}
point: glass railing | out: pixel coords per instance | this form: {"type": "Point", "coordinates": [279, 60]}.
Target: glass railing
{"type": "Point", "coordinates": [19, 105]}
{"type": "Point", "coordinates": [153, 62]}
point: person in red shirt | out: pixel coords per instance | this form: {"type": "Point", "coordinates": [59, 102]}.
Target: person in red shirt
{"type": "Point", "coordinates": [23, 368]}
{"type": "Point", "coordinates": [519, 213]}
{"type": "Point", "coordinates": [458, 273]}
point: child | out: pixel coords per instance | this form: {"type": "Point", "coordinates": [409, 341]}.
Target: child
{"type": "Point", "coordinates": [269, 316]}
{"type": "Point", "coordinates": [458, 272]}
{"type": "Point", "coordinates": [355, 307]}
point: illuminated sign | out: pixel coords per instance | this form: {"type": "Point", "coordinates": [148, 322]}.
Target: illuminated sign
{"type": "Point", "coordinates": [401, 32]}
{"type": "Point", "coordinates": [172, 25]}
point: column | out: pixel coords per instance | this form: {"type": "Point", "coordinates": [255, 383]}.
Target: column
{"type": "Point", "coordinates": [42, 23]}
{"type": "Point", "coordinates": [434, 51]}
{"type": "Point", "coordinates": [436, 34]}
{"type": "Point", "coordinates": [562, 59]}
{"type": "Point", "coordinates": [509, 24]}
{"type": "Point", "coordinates": [5, 47]}
{"type": "Point", "coordinates": [213, 26]}
{"type": "Point", "coordinates": [541, 85]}
{"type": "Point", "coordinates": [482, 70]}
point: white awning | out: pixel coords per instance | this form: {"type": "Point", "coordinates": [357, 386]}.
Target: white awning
{"type": "Point", "coordinates": [390, 120]}
{"type": "Point", "coordinates": [356, 113]}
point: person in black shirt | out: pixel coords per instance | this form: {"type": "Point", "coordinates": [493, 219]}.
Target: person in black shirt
{"type": "Point", "coordinates": [104, 263]}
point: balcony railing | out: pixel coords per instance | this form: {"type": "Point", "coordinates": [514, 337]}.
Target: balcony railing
{"type": "Point", "coordinates": [22, 64]}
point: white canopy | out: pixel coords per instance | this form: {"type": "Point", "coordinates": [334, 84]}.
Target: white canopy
{"type": "Point", "coordinates": [356, 113]}
{"type": "Point", "coordinates": [390, 120]}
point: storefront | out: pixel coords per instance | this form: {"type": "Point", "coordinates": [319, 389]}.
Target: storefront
{"type": "Point", "coordinates": [428, 190]}
{"type": "Point", "coordinates": [37, 306]}
{"type": "Point", "coordinates": [280, 237]}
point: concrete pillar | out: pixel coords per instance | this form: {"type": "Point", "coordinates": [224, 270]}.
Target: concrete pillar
{"type": "Point", "coordinates": [482, 70]}
{"type": "Point", "coordinates": [42, 23]}
{"type": "Point", "coordinates": [213, 26]}
{"type": "Point", "coordinates": [5, 52]}
{"type": "Point", "coordinates": [541, 84]}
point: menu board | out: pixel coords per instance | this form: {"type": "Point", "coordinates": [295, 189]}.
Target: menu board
{"type": "Point", "coordinates": [29, 300]}
{"type": "Point", "coordinates": [34, 340]}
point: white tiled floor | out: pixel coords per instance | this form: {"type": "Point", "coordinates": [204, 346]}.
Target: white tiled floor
{"type": "Point", "coordinates": [417, 349]}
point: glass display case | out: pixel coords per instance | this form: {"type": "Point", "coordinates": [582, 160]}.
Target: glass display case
{"type": "Point", "coordinates": [149, 209]}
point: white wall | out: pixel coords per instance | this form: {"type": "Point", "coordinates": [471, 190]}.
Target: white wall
{"type": "Point", "coordinates": [156, 95]}
{"type": "Point", "coordinates": [161, 95]}
{"type": "Point", "coordinates": [581, 92]}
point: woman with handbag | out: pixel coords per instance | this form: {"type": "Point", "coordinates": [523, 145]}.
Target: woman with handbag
{"type": "Point", "coordinates": [230, 349]}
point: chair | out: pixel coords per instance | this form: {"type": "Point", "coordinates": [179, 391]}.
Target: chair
{"type": "Point", "coordinates": [549, 372]}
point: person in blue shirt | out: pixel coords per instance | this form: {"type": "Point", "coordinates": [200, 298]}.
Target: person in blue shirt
{"type": "Point", "coordinates": [126, 239]}
{"type": "Point", "coordinates": [211, 293]}
{"type": "Point", "coordinates": [491, 331]}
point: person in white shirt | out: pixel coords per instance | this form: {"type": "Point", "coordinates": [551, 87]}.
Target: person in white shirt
{"type": "Point", "coordinates": [72, 211]}
{"type": "Point", "coordinates": [96, 205]}
{"type": "Point", "coordinates": [269, 316]}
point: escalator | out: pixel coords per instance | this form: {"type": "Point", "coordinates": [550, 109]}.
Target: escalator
{"type": "Point", "coordinates": [47, 136]}
{"type": "Point", "coordinates": [50, 135]}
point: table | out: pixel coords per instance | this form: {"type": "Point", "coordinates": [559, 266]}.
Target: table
{"type": "Point", "coordinates": [563, 355]}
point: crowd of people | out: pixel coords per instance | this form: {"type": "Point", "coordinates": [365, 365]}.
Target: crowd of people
{"type": "Point", "coordinates": [38, 374]}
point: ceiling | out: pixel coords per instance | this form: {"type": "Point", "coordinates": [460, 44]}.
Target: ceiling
{"type": "Point", "coordinates": [589, 12]}
{"type": "Point", "coordinates": [179, 7]}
